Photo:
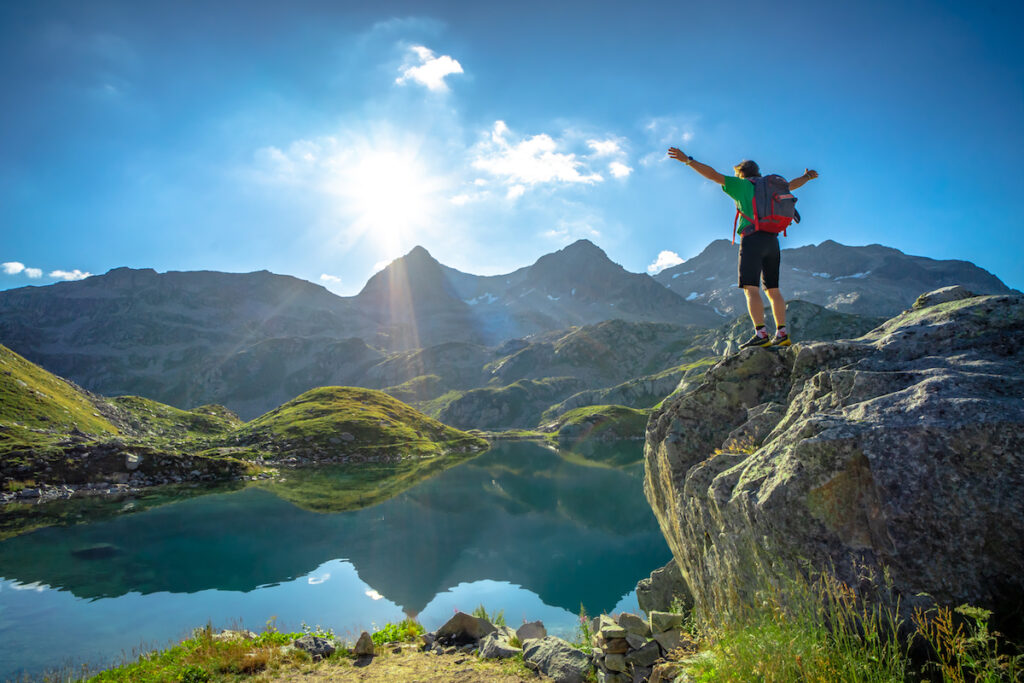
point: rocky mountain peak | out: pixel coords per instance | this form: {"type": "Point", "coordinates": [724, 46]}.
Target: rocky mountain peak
{"type": "Point", "coordinates": [582, 263]}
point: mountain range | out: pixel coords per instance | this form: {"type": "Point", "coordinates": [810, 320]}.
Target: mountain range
{"type": "Point", "coordinates": [422, 330]}
{"type": "Point", "coordinates": [872, 280]}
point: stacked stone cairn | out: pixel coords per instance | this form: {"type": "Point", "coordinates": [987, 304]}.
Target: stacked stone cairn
{"type": "Point", "coordinates": [627, 649]}
{"type": "Point", "coordinates": [551, 656]}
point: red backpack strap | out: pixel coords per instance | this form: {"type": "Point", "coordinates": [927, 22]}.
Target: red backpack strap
{"type": "Point", "coordinates": [735, 221]}
{"type": "Point", "coordinates": [753, 205]}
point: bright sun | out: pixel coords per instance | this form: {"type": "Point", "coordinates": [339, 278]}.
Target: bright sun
{"type": "Point", "coordinates": [390, 194]}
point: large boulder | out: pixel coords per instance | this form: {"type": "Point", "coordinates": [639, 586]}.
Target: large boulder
{"type": "Point", "coordinates": [496, 646]}
{"type": "Point", "coordinates": [318, 648]}
{"type": "Point", "coordinates": [902, 449]}
{"type": "Point", "coordinates": [463, 629]}
{"type": "Point", "coordinates": [557, 659]}
{"type": "Point", "coordinates": [664, 590]}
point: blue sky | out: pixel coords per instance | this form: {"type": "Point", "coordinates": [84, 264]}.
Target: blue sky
{"type": "Point", "coordinates": [324, 139]}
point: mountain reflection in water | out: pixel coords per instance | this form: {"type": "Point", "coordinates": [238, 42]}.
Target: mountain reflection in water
{"type": "Point", "coordinates": [570, 528]}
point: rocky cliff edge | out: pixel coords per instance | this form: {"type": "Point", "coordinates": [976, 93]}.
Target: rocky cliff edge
{"type": "Point", "coordinates": [901, 449]}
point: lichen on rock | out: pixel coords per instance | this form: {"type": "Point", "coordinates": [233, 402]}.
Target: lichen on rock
{"type": "Point", "coordinates": [900, 451]}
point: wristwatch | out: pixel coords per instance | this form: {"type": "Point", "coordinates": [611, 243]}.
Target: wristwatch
{"type": "Point", "coordinates": [689, 160]}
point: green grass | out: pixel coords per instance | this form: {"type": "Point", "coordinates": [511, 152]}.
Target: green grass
{"type": "Point", "coordinates": [421, 388]}
{"type": "Point", "coordinates": [203, 658]}
{"type": "Point", "coordinates": [434, 406]}
{"type": "Point", "coordinates": [820, 630]}
{"type": "Point", "coordinates": [38, 400]}
{"type": "Point", "coordinates": [375, 422]}
{"type": "Point", "coordinates": [406, 631]}
{"type": "Point", "coordinates": [495, 618]}
{"type": "Point", "coordinates": [608, 421]}
{"type": "Point", "coordinates": [157, 419]}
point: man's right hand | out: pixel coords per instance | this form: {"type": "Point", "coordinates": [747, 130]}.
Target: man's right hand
{"type": "Point", "coordinates": [809, 174]}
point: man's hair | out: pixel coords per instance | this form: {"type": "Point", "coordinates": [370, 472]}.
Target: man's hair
{"type": "Point", "coordinates": [747, 169]}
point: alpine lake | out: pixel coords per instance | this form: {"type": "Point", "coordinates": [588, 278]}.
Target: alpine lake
{"type": "Point", "coordinates": [523, 529]}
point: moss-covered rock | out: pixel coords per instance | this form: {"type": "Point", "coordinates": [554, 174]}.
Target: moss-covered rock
{"type": "Point", "coordinates": [899, 451]}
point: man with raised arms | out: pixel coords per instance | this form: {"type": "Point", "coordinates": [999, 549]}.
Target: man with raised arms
{"type": "Point", "coordinates": [759, 250]}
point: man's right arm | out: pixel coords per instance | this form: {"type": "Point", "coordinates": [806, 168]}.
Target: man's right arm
{"type": "Point", "coordinates": [705, 170]}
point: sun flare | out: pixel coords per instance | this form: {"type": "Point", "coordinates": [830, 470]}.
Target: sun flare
{"type": "Point", "coordinates": [391, 195]}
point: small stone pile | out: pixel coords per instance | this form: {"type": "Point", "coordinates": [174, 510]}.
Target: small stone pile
{"type": "Point", "coordinates": [554, 657]}
{"type": "Point", "coordinates": [627, 649]}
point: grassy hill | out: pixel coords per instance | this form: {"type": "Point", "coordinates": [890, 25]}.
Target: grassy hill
{"type": "Point", "coordinates": [354, 421]}
{"type": "Point", "coordinates": [598, 423]}
{"type": "Point", "coordinates": [53, 432]}
{"type": "Point", "coordinates": [35, 405]}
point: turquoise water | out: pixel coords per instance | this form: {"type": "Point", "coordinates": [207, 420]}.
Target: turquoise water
{"type": "Point", "coordinates": [521, 529]}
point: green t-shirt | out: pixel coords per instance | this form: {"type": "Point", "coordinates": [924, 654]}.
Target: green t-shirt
{"type": "Point", "coordinates": [742, 191]}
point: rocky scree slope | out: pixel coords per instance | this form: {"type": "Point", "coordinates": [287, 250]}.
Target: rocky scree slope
{"type": "Point", "coordinates": [902, 449]}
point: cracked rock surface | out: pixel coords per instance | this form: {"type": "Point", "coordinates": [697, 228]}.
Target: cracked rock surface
{"type": "Point", "coordinates": [901, 449]}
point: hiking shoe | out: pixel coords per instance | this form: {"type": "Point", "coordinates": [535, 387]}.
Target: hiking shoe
{"type": "Point", "coordinates": [780, 340]}
{"type": "Point", "coordinates": [756, 340]}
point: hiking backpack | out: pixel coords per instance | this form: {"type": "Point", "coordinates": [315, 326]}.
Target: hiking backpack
{"type": "Point", "coordinates": [774, 206]}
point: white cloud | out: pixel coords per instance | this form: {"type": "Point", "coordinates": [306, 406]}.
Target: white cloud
{"type": "Point", "coordinates": [16, 268]}
{"type": "Point", "coordinates": [516, 191]}
{"type": "Point", "coordinates": [664, 131]}
{"type": "Point", "coordinates": [333, 279]}
{"type": "Point", "coordinates": [666, 259]}
{"type": "Point", "coordinates": [431, 71]}
{"type": "Point", "coordinates": [619, 169]}
{"type": "Point", "coordinates": [75, 274]}
{"type": "Point", "coordinates": [670, 129]}
{"type": "Point", "coordinates": [604, 148]}
{"type": "Point", "coordinates": [529, 161]}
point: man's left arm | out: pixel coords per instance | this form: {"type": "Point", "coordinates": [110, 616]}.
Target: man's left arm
{"type": "Point", "coordinates": [798, 182]}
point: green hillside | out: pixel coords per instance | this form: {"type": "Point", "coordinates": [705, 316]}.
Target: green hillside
{"type": "Point", "coordinates": [353, 420]}
{"type": "Point", "coordinates": [601, 423]}
{"type": "Point", "coordinates": [52, 433]}
{"type": "Point", "coordinates": [148, 418]}
{"type": "Point", "coordinates": [37, 407]}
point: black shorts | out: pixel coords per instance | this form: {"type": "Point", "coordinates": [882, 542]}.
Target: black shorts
{"type": "Point", "coordinates": [759, 260]}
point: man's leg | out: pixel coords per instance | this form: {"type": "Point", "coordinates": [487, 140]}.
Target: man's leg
{"type": "Point", "coordinates": [749, 268]}
{"type": "Point", "coordinates": [778, 306]}
{"type": "Point", "coordinates": [755, 305]}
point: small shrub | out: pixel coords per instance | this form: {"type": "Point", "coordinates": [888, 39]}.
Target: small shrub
{"type": "Point", "coordinates": [963, 648]}
{"type": "Point", "coordinates": [405, 631]}
{"type": "Point", "coordinates": [582, 640]}
{"type": "Point", "coordinates": [193, 673]}
{"type": "Point", "coordinates": [318, 631]}
{"type": "Point", "coordinates": [498, 618]}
